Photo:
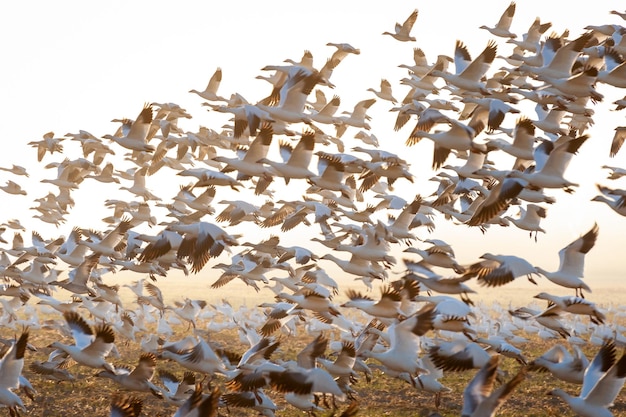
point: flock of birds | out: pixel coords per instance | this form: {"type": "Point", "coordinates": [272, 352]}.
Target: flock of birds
{"type": "Point", "coordinates": [423, 323]}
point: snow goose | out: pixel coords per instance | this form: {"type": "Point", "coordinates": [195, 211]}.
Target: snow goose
{"type": "Point", "coordinates": [11, 367]}
{"type": "Point", "coordinates": [618, 140]}
{"type": "Point", "coordinates": [16, 169]}
{"type": "Point", "coordinates": [210, 91]}
{"type": "Point", "coordinates": [458, 355]}
{"type": "Point", "coordinates": [469, 78]}
{"type": "Point", "coordinates": [557, 157]}
{"type": "Point", "coordinates": [577, 86]}
{"type": "Point", "coordinates": [48, 144]}
{"type": "Point", "coordinates": [572, 263]}
{"type": "Point", "coordinates": [302, 379]}
{"type": "Point", "coordinates": [91, 345]}
{"type": "Point", "coordinates": [531, 40]}
{"type": "Point", "coordinates": [125, 406]}
{"type": "Point", "coordinates": [12, 187]}
{"type": "Point", "coordinates": [257, 400]}
{"type": "Point", "coordinates": [559, 63]}
{"type": "Point", "coordinates": [387, 307]}
{"type": "Point", "coordinates": [614, 198]}
{"type": "Point", "coordinates": [384, 92]}
{"type": "Point", "coordinates": [296, 159]}
{"type": "Point", "coordinates": [459, 137]}
{"type": "Point", "coordinates": [137, 379]}
{"type": "Point", "coordinates": [502, 28]}
{"type": "Point", "coordinates": [404, 348]}
{"type": "Point", "coordinates": [602, 382]}
{"type": "Point", "coordinates": [500, 345]}
{"type": "Point", "coordinates": [573, 305]}
{"type": "Point", "coordinates": [200, 358]}
{"type": "Point", "coordinates": [358, 266]}
{"type": "Point", "coordinates": [562, 364]}
{"type": "Point", "coordinates": [293, 94]}
{"type": "Point", "coordinates": [523, 141]}
{"type": "Point", "coordinates": [479, 398]}
{"type": "Point", "coordinates": [496, 270]}
{"type": "Point", "coordinates": [200, 404]}
{"type": "Point", "coordinates": [202, 241]}
{"type": "Point", "coordinates": [246, 164]}
{"type": "Point", "coordinates": [529, 219]}
{"type": "Point", "coordinates": [402, 32]}
{"type": "Point", "coordinates": [498, 199]}
{"type": "Point", "coordinates": [177, 391]}
{"type": "Point", "coordinates": [108, 244]}
{"type": "Point", "coordinates": [434, 256]}
{"type": "Point", "coordinates": [135, 138]}
{"type": "Point", "coordinates": [550, 321]}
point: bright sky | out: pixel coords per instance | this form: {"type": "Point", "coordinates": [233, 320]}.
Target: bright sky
{"type": "Point", "coordinates": [72, 65]}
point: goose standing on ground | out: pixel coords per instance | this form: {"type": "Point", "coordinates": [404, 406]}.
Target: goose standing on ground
{"type": "Point", "coordinates": [402, 32]}
{"type": "Point", "coordinates": [603, 381]}
{"type": "Point", "coordinates": [572, 263]}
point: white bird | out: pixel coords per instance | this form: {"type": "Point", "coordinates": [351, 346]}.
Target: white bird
{"type": "Point", "coordinates": [135, 138]}
{"type": "Point", "coordinates": [469, 78]}
{"type": "Point", "coordinates": [603, 380]}
{"type": "Point", "coordinates": [503, 27]}
{"type": "Point", "coordinates": [572, 263]}
{"type": "Point", "coordinates": [562, 364]}
{"type": "Point", "coordinates": [137, 379]}
{"type": "Point", "coordinates": [479, 397]}
{"type": "Point", "coordinates": [404, 339]}
{"type": "Point", "coordinates": [402, 32]}
{"type": "Point", "coordinates": [497, 270]}
{"type": "Point", "coordinates": [210, 91]}
{"type": "Point", "coordinates": [11, 367]}
{"type": "Point", "coordinates": [573, 305]}
{"type": "Point", "coordinates": [91, 345]}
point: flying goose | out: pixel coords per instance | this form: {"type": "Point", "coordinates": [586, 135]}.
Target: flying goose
{"type": "Point", "coordinates": [135, 138]}
{"type": "Point", "coordinates": [502, 28]}
{"type": "Point", "coordinates": [137, 379]}
{"type": "Point", "coordinates": [562, 364]}
{"type": "Point", "coordinates": [91, 345]}
{"type": "Point", "coordinates": [404, 348]}
{"type": "Point", "coordinates": [11, 366]}
{"type": "Point", "coordinates": [125, 406]}
{"type": "Point", "coordinates": [496, 270]}
{"type": "Point", "coordinates": [573, 305]}
{"type": "Point", "coordinates": [572, 263]}
{"type": "Point", "coordinates": [469, 78]}
{"type": "Point", "coordinates": [402, 32]}
{"type": "Point", "coordinates": [614, 198]}
{"type": "Point", "coordinates": [210, 91]}
{"type": "Point", "coordinates": [479, 397]}
{"type": "Point", "coordinates": [603, 380]}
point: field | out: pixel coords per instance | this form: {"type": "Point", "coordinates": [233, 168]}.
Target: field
{"type": "Point", "coordinates": [89, 395]}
